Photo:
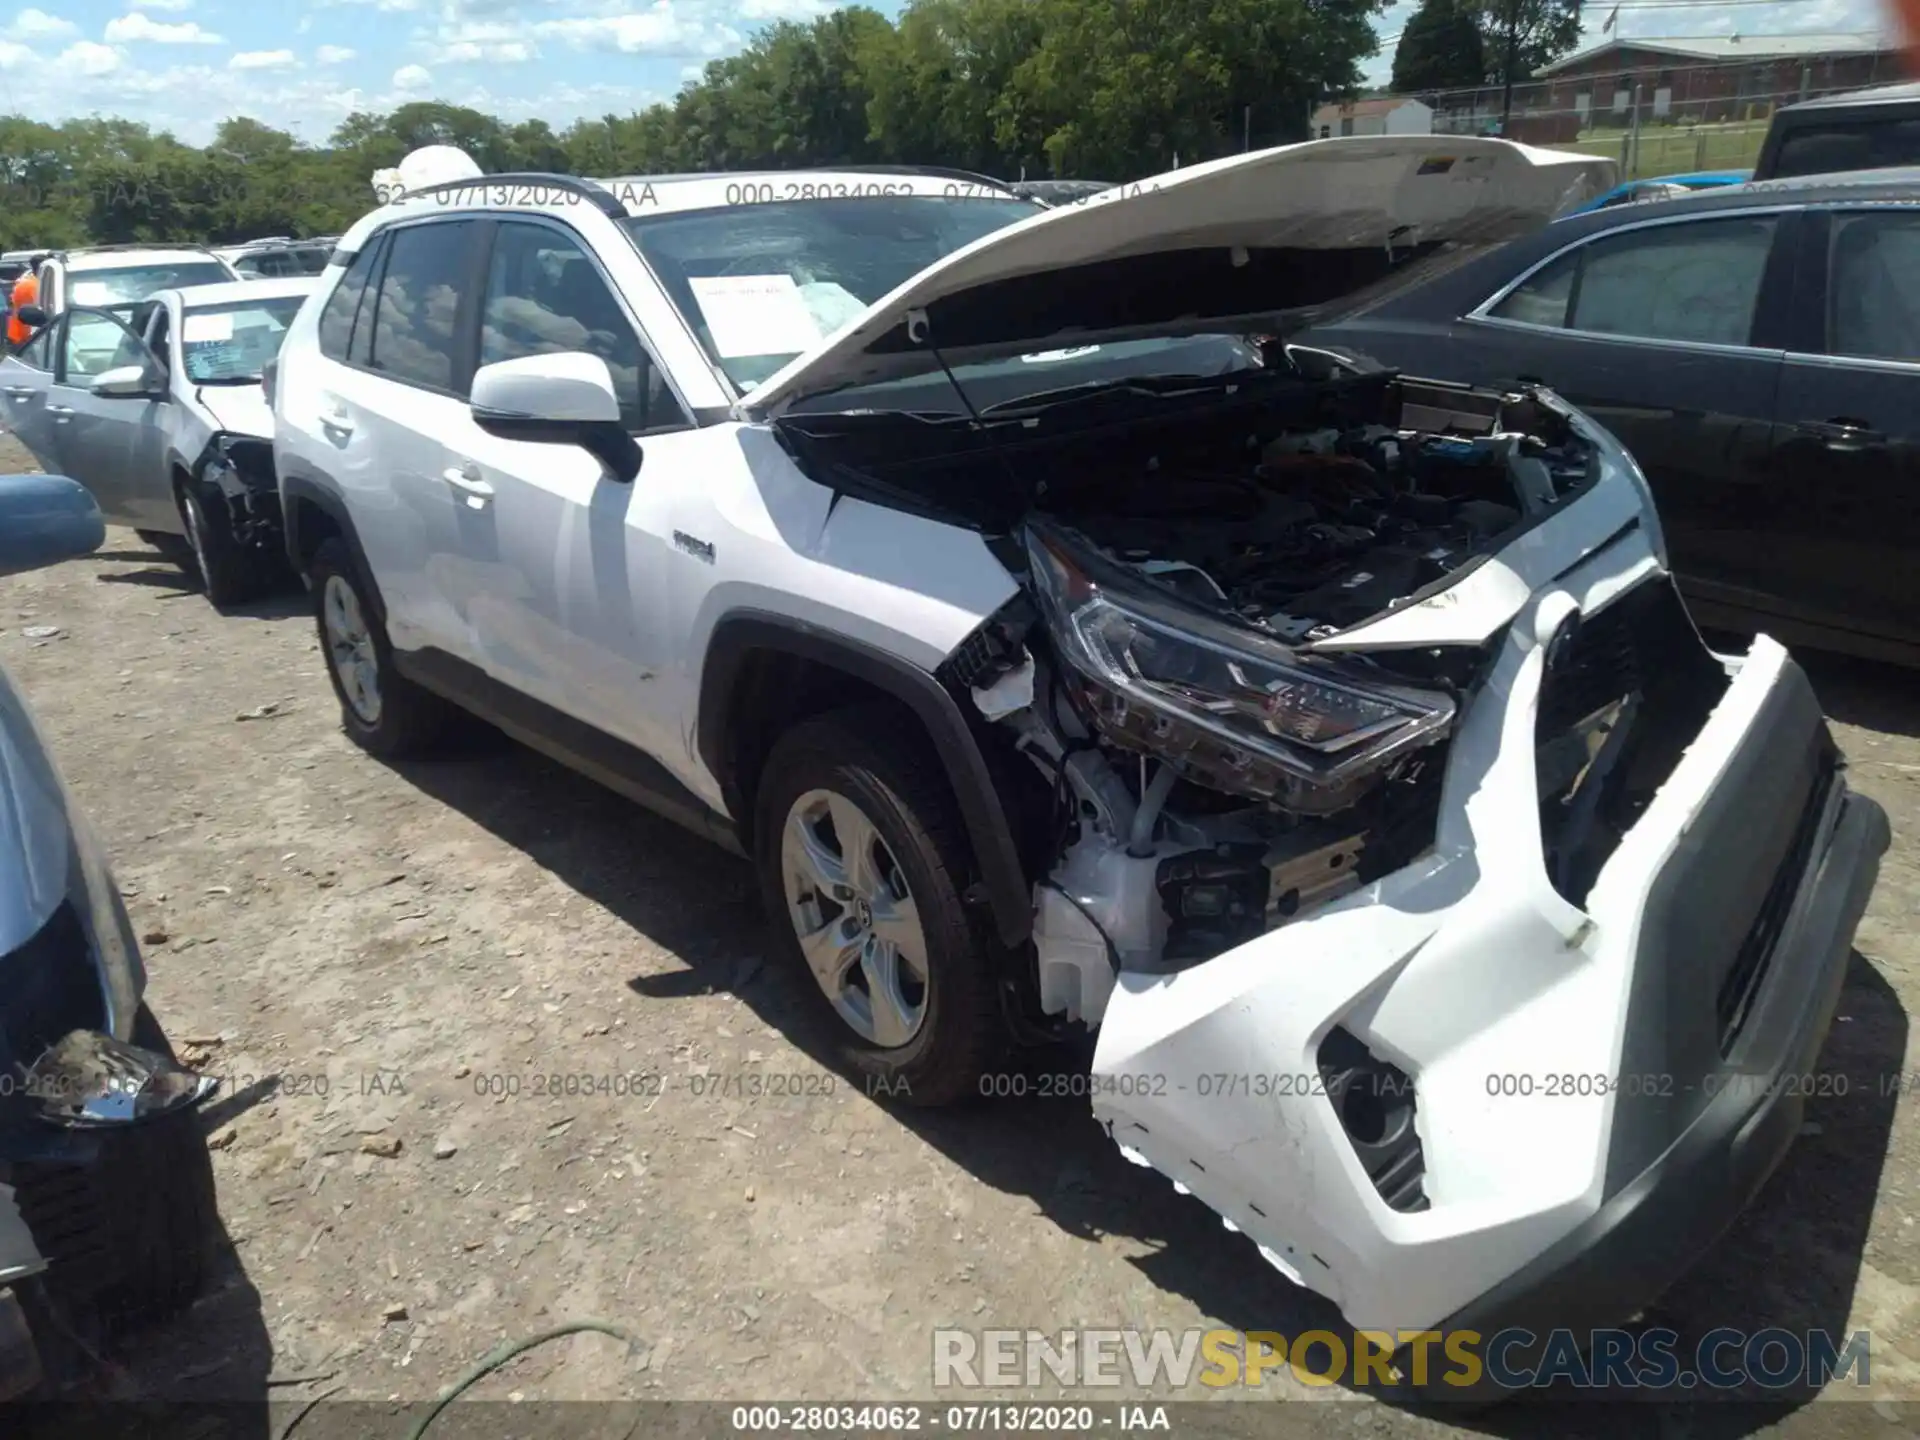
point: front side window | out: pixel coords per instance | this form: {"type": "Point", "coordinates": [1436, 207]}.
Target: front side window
{"type": "Point", "coordinates": [544, 296]}
{"type": "Point", "coordinates": [95, 344]}
{"type": "Point", "coordinates": [760, 284]}
{"type": "Point", "coordinates": [1698, 281]}
{"type": "Point", "coordinates": [231, 344]}
{"type": "Point", "coordinates": [417, 310]}
{"type": "Point", "coordinates": [1873, 286]}
{"type": "Point", "coordinates": [133, 283]}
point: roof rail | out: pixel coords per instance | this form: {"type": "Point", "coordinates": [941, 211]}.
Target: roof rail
{"type": "Point", "coordinates": [602, 199]}
{"type": "Point", "coordinates": [63, 252]}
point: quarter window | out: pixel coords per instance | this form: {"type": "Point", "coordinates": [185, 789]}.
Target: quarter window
{"type": "Point", "coordinates": [37, 353]}
{"type": "Point", "coordinates": [544, 296]}
{"type": "Point", "coordinates": [415, 327]}
{"type": "Point", "coordinates": [1698, 281]}
{"type": "Point", "coordinates": [1873, 286]}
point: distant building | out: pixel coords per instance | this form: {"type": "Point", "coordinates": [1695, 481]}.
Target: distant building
{"type": "Point", "coordinates": [1394, 115]}
{"type": "Point", "coordinates": [1706, 79]}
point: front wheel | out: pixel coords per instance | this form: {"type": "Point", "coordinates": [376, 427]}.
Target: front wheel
{"type": "Point", "coordinates": [863, 861]}
{"type": "Point", "coordinates": [229, 571]}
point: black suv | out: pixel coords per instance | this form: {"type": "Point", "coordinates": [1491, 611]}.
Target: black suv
{"type": "Point", "coordinates": [1757, 348]}
{"type": "Point", "coordinates": [1861, 130]}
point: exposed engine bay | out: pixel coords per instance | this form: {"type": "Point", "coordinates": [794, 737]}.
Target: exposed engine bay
{"type": "Point", "coordinates": [1207, 776]}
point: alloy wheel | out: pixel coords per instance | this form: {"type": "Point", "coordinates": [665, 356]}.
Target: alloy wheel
{"type": "Point", "coordinates": [350, 647]}
{"type": "Point", "coordinates": [858, 926]}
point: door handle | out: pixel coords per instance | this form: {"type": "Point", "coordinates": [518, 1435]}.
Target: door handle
{"type": "Point", "coordinates": [1844, 434]}
{"type": "Point", "coordinates": [467, 478]}
{"type": "Point", "coordinates": [335, 417]}
{"type": "Point", "coordinates": [21, 392]}
{"type": "Point", "coordinates": [61, 413]}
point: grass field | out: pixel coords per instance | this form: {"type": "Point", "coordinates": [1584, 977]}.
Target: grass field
{"type": "Point", "coordinates": [1675, 149]}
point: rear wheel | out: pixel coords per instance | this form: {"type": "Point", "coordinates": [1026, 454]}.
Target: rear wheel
{"type": "Point", "coordinates": [385, 713]}
{"type": "Point", "coordinates": [862, 861]}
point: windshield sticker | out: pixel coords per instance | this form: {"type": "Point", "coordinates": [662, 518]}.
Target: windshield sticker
{"type": "Point", "coordinates": [755, 315]}
{"type": "Point", "coordinates": [91, 292]}
{"type": "Point", "coordinates": [207, 327]}
{"type": "Point", "coordinates": [1435, 165]}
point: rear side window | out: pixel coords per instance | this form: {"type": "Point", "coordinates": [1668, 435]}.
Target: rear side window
{"type": "Point", "coordinates": [1842, 145]}
{"type": "Point", "coordinates": [415, 320]}
{"type": "Point", "coordinates": [1698, 282]}
{"type": "Point", "coordinates": [336, 319]}
{"type": "Point", "coordinates": [1873, 286]}
{"type": "Point", "coordinates": [37, 353]}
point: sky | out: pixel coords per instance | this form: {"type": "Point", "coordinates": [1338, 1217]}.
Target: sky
{"type": "Point", "coordinates": [183, 65]}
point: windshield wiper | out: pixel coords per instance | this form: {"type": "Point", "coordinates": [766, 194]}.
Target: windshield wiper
{"type": "Point", "coordinates": [1158, 387]}
{"type": "Point", "coordinates": [230, 380]}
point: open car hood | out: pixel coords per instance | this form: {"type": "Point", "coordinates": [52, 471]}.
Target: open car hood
{"type": "Point", "coordinates": [1272, 240]}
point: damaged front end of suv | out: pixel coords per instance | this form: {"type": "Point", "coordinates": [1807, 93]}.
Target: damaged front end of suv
{"type": "Point", "coordinates": [1444, 905]}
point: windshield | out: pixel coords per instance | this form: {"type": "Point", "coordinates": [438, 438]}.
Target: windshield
{"type": "Point", "coordinates": [760, 284]}
{"type": "Point", "coordinates": [137, 282]}
{"type": "Point", "coordinates": [228, 344]}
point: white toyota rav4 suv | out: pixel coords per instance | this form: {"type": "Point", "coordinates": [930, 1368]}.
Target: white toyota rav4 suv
{"type": "Point", "coordinates": [1067, 650]}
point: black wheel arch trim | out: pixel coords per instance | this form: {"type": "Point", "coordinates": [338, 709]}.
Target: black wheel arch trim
{"type": "Point", "coordinates": [740, 634]}
{"type": "Point", "coordinates": [296, 488]}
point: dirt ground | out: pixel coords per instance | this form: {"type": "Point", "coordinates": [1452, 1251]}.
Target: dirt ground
{"type": "Point", "coordinates": [396, 969]}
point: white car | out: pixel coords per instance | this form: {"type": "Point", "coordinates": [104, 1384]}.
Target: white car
{"type": "Point", "coordinates": [116, 276]}
{"type": "Point", "coordinates": [1067, 650]}
{"type": "Point", "coordinates": [157, 409]}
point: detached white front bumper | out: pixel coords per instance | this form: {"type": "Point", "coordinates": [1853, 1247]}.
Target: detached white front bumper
{"type": "Point", "coordinates": [1581, 1134]}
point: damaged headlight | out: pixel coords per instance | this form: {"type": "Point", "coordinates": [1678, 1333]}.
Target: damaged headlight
{"type": "Point", "coordinates": [1237, 711]}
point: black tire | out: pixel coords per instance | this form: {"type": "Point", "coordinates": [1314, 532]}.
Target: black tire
{"type": "Point", "coordinates": [228, 571]}
{"type": "Point", "coordinates": [864, 755]}
{"type": "Point", "coordinates": [133, 1234]}
{"type": "Point", "coordinates": [408, 719]}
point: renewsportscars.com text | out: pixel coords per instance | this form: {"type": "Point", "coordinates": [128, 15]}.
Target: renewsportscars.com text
{"type": "Point", "coordinates": [1160, 1360]}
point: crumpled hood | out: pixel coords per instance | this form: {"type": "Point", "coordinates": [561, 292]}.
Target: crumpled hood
{"type": "Point", "coordinates": [1271, 239]}
{"type": "Point", "coordinates": [240, 409]}
{"type": "Point", "coordinates": [35, 837]}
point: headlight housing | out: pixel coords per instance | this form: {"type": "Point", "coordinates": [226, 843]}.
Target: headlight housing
{"type": "Point", "coordinates": [1236, 711]}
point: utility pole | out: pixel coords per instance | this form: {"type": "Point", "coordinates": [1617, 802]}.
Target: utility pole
{"type": "Point", "coordinates": [1246, 130]}
{"type": "Point", "coordinates": [1513, 58]}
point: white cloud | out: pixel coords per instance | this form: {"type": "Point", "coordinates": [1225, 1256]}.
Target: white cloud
{"type": "Point", "coordinates": [38, 25]}
{"type": "Point", "coordinates": [15, 56]}
{"type": "Point", "coordinates": [783, 9]}
{"type": "Point", "coordinates": [469, 52]}
{"type": "Point", "coordinates": [658, 29]}
{"type": "Point", "coordinates": [412, 78]}
{"type": "Point", "coordinates": [333, 54]}
{"type": "Point", "coordinates": [90, 57]}
{"type": "Point", "coordinates": [261, 60]}
{"type": "Point", "coordinates": [127, 28]}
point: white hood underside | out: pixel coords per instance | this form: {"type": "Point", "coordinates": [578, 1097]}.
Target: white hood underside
{"type": "Point", "coordinates": [1354, 194]}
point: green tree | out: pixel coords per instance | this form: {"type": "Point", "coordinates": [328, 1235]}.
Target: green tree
{"type": "Point", "coordinates": [1440, 49]}
{"type": "Point", "coordinates": [1534, 32]}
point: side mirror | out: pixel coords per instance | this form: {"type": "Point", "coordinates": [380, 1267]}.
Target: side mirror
{"type": "Point", "coordinates": [560, 399]}
{"type": "Point", "coordinates": [32, 316]}
{"type": "Point", "coordinates": [45, 519]}
{"type": "Point", "coordinates": [125, 382]}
